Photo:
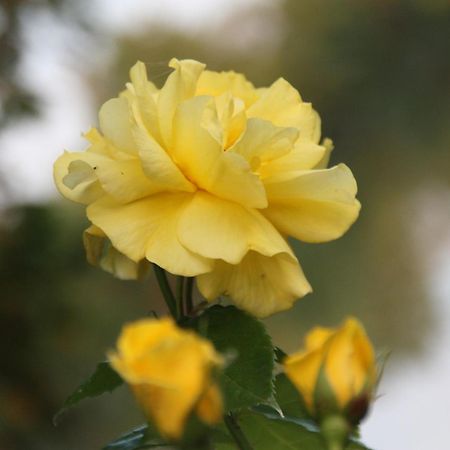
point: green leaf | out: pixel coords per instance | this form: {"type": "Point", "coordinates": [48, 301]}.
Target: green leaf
{"type": "Point", "coordinates": [104, 379]}
{"type": "Point", "coordinates": [248, 379]}
{"type": "Point", "coordinates": [220, 436]}
{"type": "Point", "coordinates": [280, 433]}
{"type": "Point", "coordinates": [139, 438]}
{"type": "Point", "coordinates": [225, 446]}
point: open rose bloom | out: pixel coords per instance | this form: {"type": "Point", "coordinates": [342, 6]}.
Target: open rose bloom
{"type": "Point", "coordinates": [206, 177]}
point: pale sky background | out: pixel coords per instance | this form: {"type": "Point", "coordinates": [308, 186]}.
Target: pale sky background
{"type": "Point", "coordinates": [413, 410]}
{"type": "Point", "coordinates": [29, 148]}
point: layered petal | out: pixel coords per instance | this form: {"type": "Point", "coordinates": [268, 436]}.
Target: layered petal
{"type": "Point", "coordinates": [350, 362]}
{"type": "Point", "coordinates": [85, 176]}
{"type": "Point", "coordinates": [259, 284]}
{"type": "Point", "coordinates": [304, 156]}
{"type": "Point", "coordinates": [76, 179]}
{"type": "Point", "coordinates": [158, 165]}
{"type": "Point", "coordinates": [147, 228]}
{"type": "Point", "coordinates": [202, 159]}
{"type": "Point", "coordinates": [99, 144]}
{"type": "Point", "coordinates": [282, 105]}
{"type": "Point", "coordinates": [328, 145]}
{"type": "Point", "coordinates": [313, 206]}
{"type": "Point", "coordinates": [115, 123]}
{"type": "Point", "coordinates": [218, 83]}
{"type": "Point", "coordinates": [179, 86]}
{"type": "Point", "coordinates": [303, 370]}
{"type": "Point", "coordinates": [232, 119]}
{"type": "Point", "coordinates": [317, 337]}
{"type": "Point", "coordinates": [262, 142]}
{"type": "Point", "coordinates": [220, 229]}
{"type": "Point", "coordinates": [100, 252]}
{"type": "Point", "coordinates": [144, 106]}
{"type": "Point", "coordinates": [125, 180]}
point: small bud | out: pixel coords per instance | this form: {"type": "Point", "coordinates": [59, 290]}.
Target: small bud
{"type": "Point", "coordinates": [336, 375]}
{"type": "Point", "coordinates": [170, 371]}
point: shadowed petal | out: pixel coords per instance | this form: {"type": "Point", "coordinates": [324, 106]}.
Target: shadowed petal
{"type": "Point", "coordinates": [259, 284]}
{"type": "Point", "coordinates": [313, 206]}
{"type": "Point", "coordinates": [221, 229]}
{"type": "Point", "coordinates": [202, 159]}
{"type": "Point", "coordinates": [147, 228]}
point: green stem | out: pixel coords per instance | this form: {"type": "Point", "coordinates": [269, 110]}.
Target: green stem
{"type": "Point", "coordinates": [335, 430]}
{"type": "Point", "coordinates": [236, 432]}
{"type": "Point", "coordinates": [180, 293]}
{"type": "Point", "coordinates": [166, 291]}
{"type": "Point", "coordinates": [189, 300]}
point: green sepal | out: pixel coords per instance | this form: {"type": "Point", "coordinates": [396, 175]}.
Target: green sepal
{"type": "Point", "coordinates": [294, 408]}
{"type": "Point", "coordinates": [104, 379]}
{"type": "Point", "coordinates": [335, 430]}
{"type": "Point", "coordinates": [325, 401]}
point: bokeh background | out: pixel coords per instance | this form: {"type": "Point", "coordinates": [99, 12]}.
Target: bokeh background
{"type": "Point", "coordinates": [379, 74]}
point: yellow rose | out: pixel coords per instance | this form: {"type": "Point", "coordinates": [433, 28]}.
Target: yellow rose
{"type": "Point", "coordinates": [100, 252]}
{"type": "Point", "coordinates": [170, 373]}
{"type": "Point", "coordinates": [336, 372]}
{"type": "Point", "coordinates": [206, 177]}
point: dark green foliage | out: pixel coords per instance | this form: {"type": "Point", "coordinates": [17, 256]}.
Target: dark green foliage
{"type": "Point", "coordinates": [104, 379]}
{"type": "Point", "coordinates": [265, 433]}
{"type": "Point", "coordinates": [247, 380]}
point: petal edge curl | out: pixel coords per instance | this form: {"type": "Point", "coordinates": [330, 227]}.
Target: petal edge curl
{"type": "Point", "coordinates": [258, 284]}
{"type": "Point", "coordinates": [313, 206]}
{"type": "Point", "coordinates": [146, 228]}
{"type": "Point", "coordinates": [220, 229]}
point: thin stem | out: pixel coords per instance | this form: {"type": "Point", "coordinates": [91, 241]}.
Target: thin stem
{"type": "Point", "coordinates": [180, 293]}
{"type": "Point", "coordinates": [189, 300]}
{"type": "Point", "coordinates": [166, 291]}
{"type": "Point", "coordinates": [236, 432]}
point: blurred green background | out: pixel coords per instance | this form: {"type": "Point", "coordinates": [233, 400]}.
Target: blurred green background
{"type": "Point", "coordinates": [378, 72]}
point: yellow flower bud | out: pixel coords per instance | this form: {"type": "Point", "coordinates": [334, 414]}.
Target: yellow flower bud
{"type": "Point", "coordinates": [170, 373]}
{"type": "Point", "coordinates": [336, 372]}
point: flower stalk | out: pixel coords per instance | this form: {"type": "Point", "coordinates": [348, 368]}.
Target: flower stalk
{"type": "Point", "coordinates": [180, 294]}
{"type": "Point", "coordinates": [335, 431]}
{"type": "Point", "coordinates": [236, 432]}
{"type": "Point", "coordinates": [166, 291]}
{"type": "Point", "coordinates": [188, 295]}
